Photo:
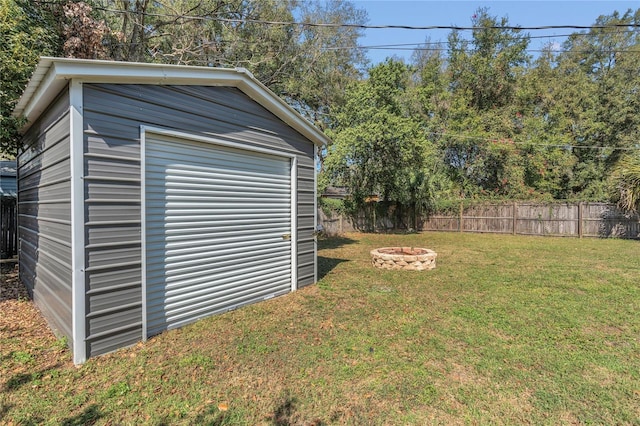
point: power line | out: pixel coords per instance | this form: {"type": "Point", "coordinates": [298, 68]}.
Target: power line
{"type": "Point", "coordinates": [365, 26]}
{"type": "Point", "coordinates": [368, 26]}
{"type": "Point", "coordinates": [405, 47]}
{"type": "Point", "coordinates": [428, 27]}
{"type": "Point", "coordinates": [418, 47]}
{"type": "Point", "coordinates": [527, 37]}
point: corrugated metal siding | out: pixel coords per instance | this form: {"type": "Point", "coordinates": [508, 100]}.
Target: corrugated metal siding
{"type": "Point", "coordinates": [44, 214]}
{"type": "Point", "coordinates": [112, 118]}
{"type": "Point", "coordinates": [306, 221]}
{"type": "Point", "coordinates": [215, 217]}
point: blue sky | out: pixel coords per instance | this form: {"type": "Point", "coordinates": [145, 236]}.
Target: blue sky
{"type": "Point", "coordinates": [524, 13]}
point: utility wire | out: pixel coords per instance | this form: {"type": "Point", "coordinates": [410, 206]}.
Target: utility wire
{"type": "Point", "coordinates": [418, 47]}
{"type": "Point", "coordinates": [365, 26]}
{"type": "Point", "coordinates": [429, 27]}
{"type": "Point", "coordinates": [404, 47]}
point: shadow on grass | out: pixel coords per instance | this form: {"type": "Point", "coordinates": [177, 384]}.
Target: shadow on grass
{"type": "Point", "coordinates": [22, 379]}
{"type": "Point", "coordinates": [4, 409]}
{"type": "Point", "coordinates": [285, 413]}
{"type": "Point", "coordinates": [210, 417]}
{"type": "Point", "coordinates": [89, 416]}
{"type": "Point", "coordinates": [326, 265]}
{"type": "Point", "coordinates": [334, 242]}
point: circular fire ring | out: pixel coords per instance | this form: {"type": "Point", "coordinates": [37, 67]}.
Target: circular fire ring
{"type": "Point", "coordinates": [404, 258]}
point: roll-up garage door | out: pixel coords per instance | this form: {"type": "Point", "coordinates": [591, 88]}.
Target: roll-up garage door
{"type": "Point", "coordinates": [217, 226]}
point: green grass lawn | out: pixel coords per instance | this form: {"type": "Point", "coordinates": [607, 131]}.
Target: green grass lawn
{"type": "Point", "coordinates": [505, 330]}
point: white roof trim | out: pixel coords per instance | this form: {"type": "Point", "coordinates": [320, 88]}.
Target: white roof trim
{"type": "Point", "coordinates": [52, 74]}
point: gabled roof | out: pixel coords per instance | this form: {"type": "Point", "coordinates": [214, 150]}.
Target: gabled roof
{"type": "Point", "coordinates": [52, 74]}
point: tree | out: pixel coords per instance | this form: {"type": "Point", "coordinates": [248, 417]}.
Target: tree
{"type": "Point", "coordinates": [309, 66]}
{"type": "Point", "coordinates": [379, 150]}
{"type": "Point", "coordinates": [328, 59]}
{"type": "Point", "coordinates": [489, 66]}
{"type": "Point", "coordinates": [472, 113]}
{"type": "Point", "coordinates": [601, 73]}
{"type": "Point", "coordinates": [131, 27]}
{"type": "Point", "coordinates": [625, 185]}
{"type": "Point", "coordinates": [543, 124]}
{"type": "Point", "coordinates": [26, 33]}
{"type": "Point", "coordinates": [83, 34]}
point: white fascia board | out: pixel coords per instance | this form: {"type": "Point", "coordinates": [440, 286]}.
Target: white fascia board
{"type": "Point", "coordinates": [132, 73]}
{"type": "Point", "coordinates": [42, 89]}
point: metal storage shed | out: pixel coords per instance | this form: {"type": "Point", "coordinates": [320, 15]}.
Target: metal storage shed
{"type": "Point", "coordinates": [153, 195]}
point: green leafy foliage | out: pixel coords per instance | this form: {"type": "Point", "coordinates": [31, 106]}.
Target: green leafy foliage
{"type": "Point", "coordinates": [308, 66]}
{"type": "Point", "coordinates": [483, 120]}
{"type": "Point", "coordinates": [26, 32]}
{"type": "Point", "coordinates": [486, 121]}
{"type": "Point", "coordinates": [380, 151]}
{"type": "Point", "coordinates": [625, 185]}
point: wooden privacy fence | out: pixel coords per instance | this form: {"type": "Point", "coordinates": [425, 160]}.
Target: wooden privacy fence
{"type": "Point", "coordinates": [8, 228]}
{"type": "Point", "coordinates": [520, 218]}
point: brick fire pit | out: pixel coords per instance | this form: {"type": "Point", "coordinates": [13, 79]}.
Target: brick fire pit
{"type": "Point", "coordinates": [404, 258]}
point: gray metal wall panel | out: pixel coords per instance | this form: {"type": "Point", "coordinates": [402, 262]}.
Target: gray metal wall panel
{"type": "Point", "coordinates": [106, 280]}
{"type": "Point", "coordinates": [112, 322]}
{"type": "Point", "coordinates": [112, 168]}
{"type": "Point", "coordinates": [56, 210]}
{"type": "Point", "coordinates": [54, 152]}
{"type": "Point", "coordinates": [305, 207]}
{"type": "Point", "coordinates": [48, 174]}
{"type": "Point", "coordinates": [44, 219]}
{"type": "Point", "coordinates": [107, 144]}
{"type": "Point", "coordinates": [55, 191]}
{"type": "Point", "coordinates": [306, 185]}
{"type": "Point", "coordinates": [103, 214]}
{"type": "Point", "coordinates": [112, 234]}
{"type": "Point", "coordinates": [30, 225]}
{"type": "Point", "coordinates": [308, 272]}
{"type": "Point", "coordinates": [100, 258]}
{"type": "Point", "coordinates": [109, 343]}
{"type": "Point", "coordinates": [306, 219]}
{"type": "Point", "coordinates": [306, 247]}
{"type": "Point", "coordinates": [48, 130]}
{"type": "Point", "coordinates": [234, 115]}
{"type": "Point", "coordinates": [112, 301]}
{"type": "Point", "coordinates": [112, 118]}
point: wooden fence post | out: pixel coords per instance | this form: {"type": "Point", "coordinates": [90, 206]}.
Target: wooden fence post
{"type": "Point", "coordinates": [515, 217]}
{"type": "Point", "coordinates": [460, 220]}
{"type": "Point", "coordinates": [580, 220]}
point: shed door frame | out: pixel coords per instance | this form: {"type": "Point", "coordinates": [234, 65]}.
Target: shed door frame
{"type": "Point", "coordinates": [144, 130]}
